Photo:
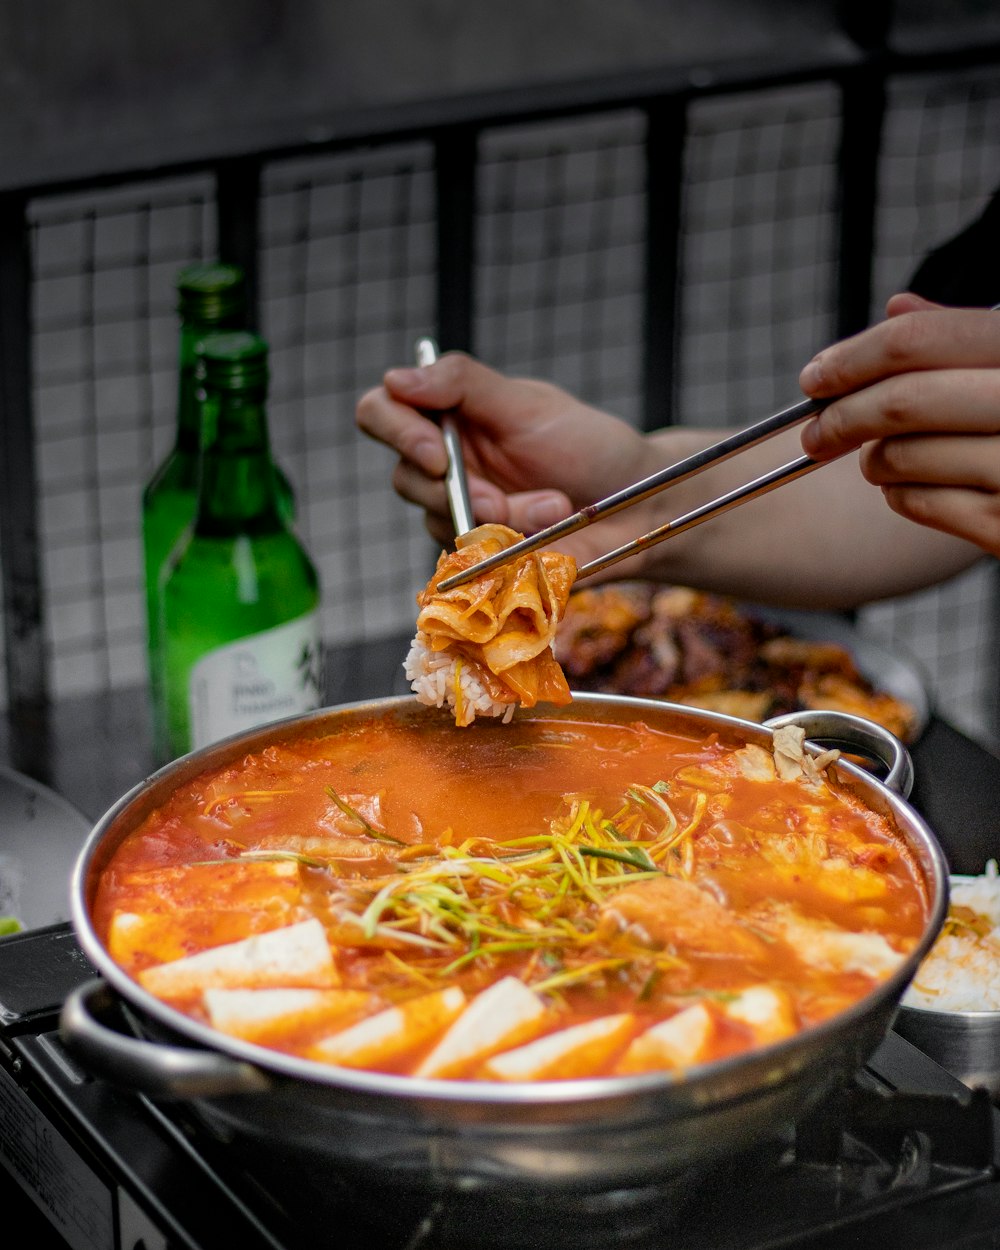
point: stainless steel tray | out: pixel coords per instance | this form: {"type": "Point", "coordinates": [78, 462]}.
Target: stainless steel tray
{"type": "Point", "coordinates": [889, 670]}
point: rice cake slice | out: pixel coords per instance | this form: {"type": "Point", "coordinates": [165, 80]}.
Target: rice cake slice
{"type": "Point", "coordinates": [296, 955]}
{"type": "Point", "coordinates": [580, 1050]}
{"type": "Point", "coordinates": [383, 1038]}
{"type": "Point", "coordinates": [501, 1017]}
{"type": "Point", "coordinates": [268, 1015]}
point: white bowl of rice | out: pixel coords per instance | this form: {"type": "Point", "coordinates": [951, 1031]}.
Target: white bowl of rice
{"type": "Point", "coordinates": [951, 1010]}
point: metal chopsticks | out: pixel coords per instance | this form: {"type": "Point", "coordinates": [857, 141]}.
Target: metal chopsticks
{"type": "Point", "coordinates": [715, 507]}
{"type": "Point", "coordinates": [669, 476]}
{"type": "Point", "coordinates": [646, 487]}
{"type": "Point", "coordinates": [455, 481]}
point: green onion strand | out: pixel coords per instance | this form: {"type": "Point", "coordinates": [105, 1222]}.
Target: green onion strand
{"type": "Point", "coordinates": [379, 834]}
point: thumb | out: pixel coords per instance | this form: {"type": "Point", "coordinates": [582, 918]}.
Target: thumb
{"type": "Point", "coordinates": [534, 510]}
{"type": "Point", "coordinates": [525, 511]}
{"type": "Point", "coordinates": [454, 381]}
{"type": "Point", "coordinates": [909, 301]}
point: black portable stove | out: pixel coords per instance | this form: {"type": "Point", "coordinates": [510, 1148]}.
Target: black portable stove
{"type": "Point", "coordinates": [904, 1156]}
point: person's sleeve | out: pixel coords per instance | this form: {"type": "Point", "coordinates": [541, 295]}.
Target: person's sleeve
{"type": "Point", "coordinates": [965, 271]}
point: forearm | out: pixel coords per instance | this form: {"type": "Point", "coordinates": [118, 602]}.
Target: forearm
{"type": "Point", "coordinates": [534, 455]}
{"type": "Point", "coordinates": [826, 541]}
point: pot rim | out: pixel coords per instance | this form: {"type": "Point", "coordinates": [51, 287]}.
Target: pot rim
{"type": "Point", "coordinates": [695, 1081]}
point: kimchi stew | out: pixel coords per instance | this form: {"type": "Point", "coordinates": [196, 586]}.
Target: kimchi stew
{"type": "Point", "coordinates": [548, 899]}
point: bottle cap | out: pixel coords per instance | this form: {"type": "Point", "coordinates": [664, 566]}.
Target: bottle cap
{"type": "Point", "coordinates": [212, 294]}
{"type": "Point", "coordinates": [232, 361]}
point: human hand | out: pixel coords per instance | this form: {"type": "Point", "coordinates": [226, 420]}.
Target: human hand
{"type": "Point", "coordinates": [921, 398]}
{"type": "Point", "coordinates": [533, 453]}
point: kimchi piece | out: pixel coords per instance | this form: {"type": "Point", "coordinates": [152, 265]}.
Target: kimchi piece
{"type": "Point", "coordinates": [486, 647]}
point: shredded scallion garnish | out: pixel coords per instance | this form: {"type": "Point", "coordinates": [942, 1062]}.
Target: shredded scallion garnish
{"type": "Point", "coordinates": [379, 834]}
{"type": "Point", "coordinates": [584, 972]}
{"type": "Point", "coordinates": [538, 895]}
{"type": "Point", "coordinates": [307, 861]}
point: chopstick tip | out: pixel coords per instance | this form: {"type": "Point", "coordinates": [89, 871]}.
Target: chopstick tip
{"type": "Point", "coordinates": [426, 351]}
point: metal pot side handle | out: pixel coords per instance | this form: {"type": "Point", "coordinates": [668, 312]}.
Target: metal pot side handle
{"type": "Point", "coordinates": [151, 1068]}
{"type": "Point", "coordinates": [859, 736]}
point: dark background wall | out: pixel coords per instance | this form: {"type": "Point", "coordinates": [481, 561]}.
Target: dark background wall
{"type": "Point", "coordinates": [345, 108]}
{"type": "Point", "coordinates": [96, 86]}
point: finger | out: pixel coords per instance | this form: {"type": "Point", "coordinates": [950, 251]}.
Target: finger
{"type": "Point", "coordinates": [934, 460]}
{"type": "Point", "coordinates": [455, 381]}
{"type": "Point", "coordinates": [531, 511]}
{"type": "Point", "coordinates": [488, 501]}
{"type": "Point", "coordinates": [429, 493]}
{"type": "Point", "coordinates": [524, 511]}
{"type": "Point", "coordinates": [945, 400]}
{"type": "Point", "coordinates": [908, 301]}
{"type": "Point", "coordinates": [414, 436]}
{"type": "Point", "coordinates": [970, 514]}
{"type": "Point", "coordinates": [934, 338]}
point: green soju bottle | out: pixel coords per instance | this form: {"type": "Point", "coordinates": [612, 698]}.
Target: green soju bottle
{"type": "Point", "coordinates": [210, 297]}
{"type": "Point", "coordinates": [240, 597]}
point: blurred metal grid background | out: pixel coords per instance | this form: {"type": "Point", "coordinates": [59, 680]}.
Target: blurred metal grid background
{"type": "Point", "coordinates": [347, 284]}
{"type": "Point", "coordinates": [560, 256]}
{"type": "Point", "coordinates": [347, 267]}
{"type": "Point", "coordinates": [105, 351]}
{"type": "Point", "coordinates": [758, 254]}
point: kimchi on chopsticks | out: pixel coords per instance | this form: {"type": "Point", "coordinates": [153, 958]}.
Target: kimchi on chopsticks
{"type": "Point", "coordinates": [485, 648]}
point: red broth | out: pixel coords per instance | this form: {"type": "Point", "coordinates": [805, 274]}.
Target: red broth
{"type": "Point", "coordinates": [673, 895]}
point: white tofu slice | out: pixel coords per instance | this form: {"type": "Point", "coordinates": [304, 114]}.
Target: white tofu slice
{"type": "Point", "coordinates": [679, 1042]}
{"type": "Point", "coordinates": [768, 1012]}
{"type": "Point", "coordinates": [136, 936]}
{"type": "Point", "coordinates": [259, 1015]}
{"type": "Point", "coordinates": [842, 950]}
{"type": "Point", "coordinates": [825, 945]}
{"type": "Point", "coordinates": [853, 952]}
{"type": "Point", "coordinates": [384, 1037]}
{"type": "Point", "coordinates": [505, 1015]}
{"type": "Point", "coordinates": [579, 1050]}
{"type": "Point", "coordinates": [162, 936]}
{"type": "Point", "coordinates": [296, 955]}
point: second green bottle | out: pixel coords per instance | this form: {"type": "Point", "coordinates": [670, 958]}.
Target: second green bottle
{"type": "Point", "coordinates": [240, 625]}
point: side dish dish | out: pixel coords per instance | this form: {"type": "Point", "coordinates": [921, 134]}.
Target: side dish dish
{"type": "Point", "coordinates": [549, 899]}
{"type": "Point", "coordinates": [704, 650]}
{"type": "Point", "coordinates": [961, 972]}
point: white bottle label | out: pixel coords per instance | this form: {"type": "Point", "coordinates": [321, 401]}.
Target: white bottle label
{"type": "Point", "coordinates": [255, 680]}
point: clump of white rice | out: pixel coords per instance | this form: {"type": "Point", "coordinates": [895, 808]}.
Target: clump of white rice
{"type": "Point", "coordinates": [446, 679]}
{"type": "Point", "coordinates": [961, 972]}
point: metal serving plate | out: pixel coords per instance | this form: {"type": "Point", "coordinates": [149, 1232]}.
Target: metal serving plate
{"type": "Point", "coordinates": [892, 671]}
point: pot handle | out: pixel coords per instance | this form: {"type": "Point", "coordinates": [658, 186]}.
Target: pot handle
{"type": "Point", "coordinates": [859, 736]}
{"type": "Point", "coordinates": [160, 1071]}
